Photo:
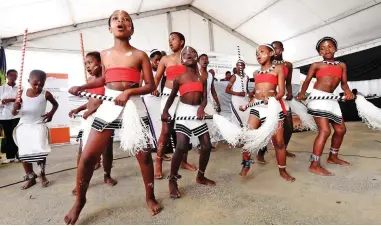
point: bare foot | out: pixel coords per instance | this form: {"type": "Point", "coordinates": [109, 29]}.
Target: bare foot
{"type": "Point", "coordinates": [290, 155]}
{"type": "Point", "coordinates": [284, 174]}
{"type": "Point", "coordinates": [109, 181]}
{"type": "Point", "coordinates": [205, 181]}
{"type": "Point", "coordinates": [72, 216]}
{"type": "Point", "coordinates": [244, 171]}
{"type": "Point", "coordinates": [333, 159]}
{"type": "Point", "coordinates": [97, 166]}
{"type": "Point", "coordinates": [174, 189]}
{"type": "Point", "coordinates": [319, 171]}
{"type": "Point", "coordinates": [261, 159]}
{"type": "Point", "coordinates": [166, 158]}
{"type": "Point", "coordinates": [154, 206]}
{"type": "Point", "coordinates": [188, 166]}
{"type": "Point", "coordinates": [158, 168]}
{"type": "Point", "coordinates": [44, 181]}
{"type": "Point", "coordinates": [29, 183]}
{"type": "Point", "coordinates": [74, 191]}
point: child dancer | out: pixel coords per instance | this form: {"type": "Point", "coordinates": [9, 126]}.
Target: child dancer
{"type": "Point", "coordinates": [123, 65]}
{"type": "Point", "coordinates": [213, 105]}
{"type": "Point", "coordinates": [193, 99]}
{"type": "Point", "coordinates": [31, 134]}
{"type": "Point", "coordinates": [329, 74]}
{"type": "Point", "coordinates": [288, 125]}
{"type": "Point", "coordinates": [266, 82]}
{"type": "Point", "coordinates": [172, 66]}
{"type": "Point", "coordinates": [238, 88]}
{"type": "Point", "coordinates": [94, 68]}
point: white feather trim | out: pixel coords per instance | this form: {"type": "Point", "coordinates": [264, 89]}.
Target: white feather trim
{"type": "Point", "coordinates": [134, 134]}
{"type": "Point", "coordinates": [369, 113]}
{"type": "Point", "coordinates": [300, 109]}
{"type": "Point", "coordinates": [231, 132]}
{"type": "Point", "coordinates": [256, 139]}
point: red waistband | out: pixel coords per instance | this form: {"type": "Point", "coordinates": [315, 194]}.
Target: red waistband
{"type": "Point", "coordinates": [191, 87]}
{"type": "Point", "coordinates": [269, 78]}
{"type": "Point", "coordinates": [122, 74]}
{"type": "Point", "coordinates": [331, 70]}
{"type": "Point", "coordinates": [173, 71]}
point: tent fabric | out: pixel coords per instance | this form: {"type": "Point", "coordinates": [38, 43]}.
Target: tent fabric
{"type": "Point", "coordinates": [297, 23]}
{"type": "Point", "coordinates": [361, 66]}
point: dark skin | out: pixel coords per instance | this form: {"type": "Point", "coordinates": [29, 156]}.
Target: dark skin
{"type": "Point", "coordinates": [192, 98]}
{"type": "Point", "coordinates": [93, 67]}
{"type": "Point", "coordinates": [288, 124]}
{"type": "Point", "coordinates": [166, 130]}
{"type": "Point", "coordinates": [328, 84]}
{"type": "Point", "coordinates": [11, 81]}
{"type": "Point", "coordinates": [37, 83]}
{"type": "Point", "coordinates": [122, 54]}
{"type": "Point", "coordinates": [262, 92]}
{"type": "Point", "coordinates": [204, 61]}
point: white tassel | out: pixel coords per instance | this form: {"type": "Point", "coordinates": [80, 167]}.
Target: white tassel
{"type": "Point", "coordinates": [230, 132]}
{"type": "Point", "coordinates": [134, 134]}
{"type": "Point", "coordinates": [256, 139]}
{"type": "Point", "coordinates": [369, 113]}
{"type": "Point", "coordinates": [300, 109]}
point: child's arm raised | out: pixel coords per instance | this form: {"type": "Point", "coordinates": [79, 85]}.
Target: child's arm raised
{"type": "Point", "coordinates": [48, 116]}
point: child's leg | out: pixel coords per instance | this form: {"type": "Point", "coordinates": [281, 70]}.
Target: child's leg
{"type": "Point", "coordinates": [30, 176]}
{"type": "Point", "coordinates": [287, 133]}
{"type": "Point", "coordinates": [108, 156]}
{"type": "Point", "coordinates": [44, 180]}
{"type": "Point", "coordinates": [206, 148]}
{"type": "Point", "coordinates": [95, 146]}
{"type": "Point", "coordinates": [280, 150]}
{"type": "Point", "coordinates": [181, 147]}
{"type": "Point", "coordinates": [321, 139]}
{"type": "Point", "coordinates": [74, 191]}
{"type": "Point", "coordinates": [337, 139]}
{"type": "Point", "coordinates": [166, 130]}
{"type": "Point", "coordinates": [146, 167]}
{"type": "Point", "coordinates": [253, 123]}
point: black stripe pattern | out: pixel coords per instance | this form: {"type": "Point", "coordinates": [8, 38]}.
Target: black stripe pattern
{"type": "Point", "coordinates": [236, 115]}
{"type": "Point", "coordinates": [100, 124]}
{"type": "Point", "coordinates": [179, 128]}
{"type": "Point", "coordinates": [192, 117]}
{"type": "Point", "coordinates": [255, 104]}
{"type": "Point", "coordinates": [256, 114]}
{"type": "Point", "coordinates": [33, 157]}
{"type": "Point", "coordinates": [326, 98]}
{"type": "Point", "coordinates": [80, 135]}
{"type": "Point", "coordinates": [325, 114]}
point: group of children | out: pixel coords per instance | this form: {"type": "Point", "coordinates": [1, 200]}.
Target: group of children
{"type": "Point", "coordinates": [125, 74]}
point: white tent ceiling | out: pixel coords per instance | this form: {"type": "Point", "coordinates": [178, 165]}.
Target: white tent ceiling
{"type": "Point", "coordinates": [208, 25]}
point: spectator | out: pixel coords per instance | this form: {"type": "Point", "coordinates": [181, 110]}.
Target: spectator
{"type": "Point", "coordinates": [228, 75]}
{"type": "Point", "coordinates": [8, 93]}
{"type": "Point", "coordinates": [211, 71]}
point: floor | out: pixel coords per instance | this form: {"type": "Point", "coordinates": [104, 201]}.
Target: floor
{"type": "Point", "coordinates": [352, 196]}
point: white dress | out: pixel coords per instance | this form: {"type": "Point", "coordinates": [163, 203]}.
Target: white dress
{"type": "Point", "coordinates": [31, 135]}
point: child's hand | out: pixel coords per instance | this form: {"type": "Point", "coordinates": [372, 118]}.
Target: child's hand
{"type": "Point", "coordinates": [47, 117]}
{"type": "Point", "coordinates": [166, 117]}
{"type": "Point", "coordinates": [87, 114]}
{"type": "Point", "coordinates": [301, 96]}
{"type": "Point", "coordinates": [122, 99]}
{"type": "Point", "coordinates": [75, 90]}
{"type": "Point", "coordinates": [73, 112]}
{"type": "Point", "coordinates": [200, 113]}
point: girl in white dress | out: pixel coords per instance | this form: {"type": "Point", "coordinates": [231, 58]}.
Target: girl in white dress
{"type": "Point", "coordinates": [31, 134]}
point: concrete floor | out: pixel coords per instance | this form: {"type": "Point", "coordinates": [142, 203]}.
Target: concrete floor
{"type": "Point", "coordinates": [352, 196]}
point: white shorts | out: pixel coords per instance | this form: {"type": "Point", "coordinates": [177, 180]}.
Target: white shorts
{"type": "Point", "coordinates": [261, 112]}
{"type": "Point", "coordinates": [164, 98]}
{"type": "Point", "coordinates": [189, 127]}
{"type": "Point", "coordinates": [329, 109]}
